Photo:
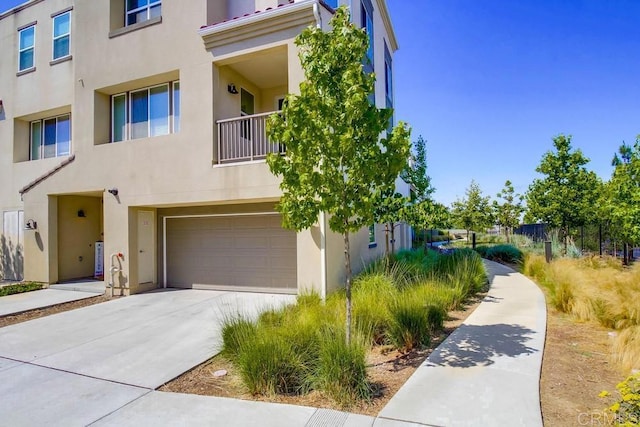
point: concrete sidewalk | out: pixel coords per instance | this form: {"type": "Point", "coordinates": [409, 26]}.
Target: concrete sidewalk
{"type": "Point", "coordinates": [487, 372]}
{"type": "Point", "coordinates": [18, 303]}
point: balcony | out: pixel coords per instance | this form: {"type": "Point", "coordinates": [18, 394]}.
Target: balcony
{"type": "Point", "coordinates": [244, 139]}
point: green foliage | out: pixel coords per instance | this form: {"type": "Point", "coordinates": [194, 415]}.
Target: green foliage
{"type": "Point", "coordinates": [335, 160]}
{"type": "Point", "coordinates": [474, 211]}
{"type": "Point", "coordinates": [415, 173]}
{"type": "Point", "coordinates": [19, 288]}
{"type": "Point", "coordinates": [568, 193]}
{"type": "Point", "coordinates": [237, 331]}
{"type": "Point", "coordinates": [401, 300]}
{"type": "Point", "coordinates": [623, 192]}
{"type": "Point", "coordinates": [342, 370]}
{"type": "Point", "coordinates": [268, 365]}
{"type": "Point", "coordinates": [409, 326]}
{"type": "Point", "coordinates": [508, 213]}
{"type": "Point", "coordinates": [501, 253]}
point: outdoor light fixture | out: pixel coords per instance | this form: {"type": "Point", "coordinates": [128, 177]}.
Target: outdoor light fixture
{"type": "Point", "coordinates": [30, 225]}
{"type": "Point", "coordinates": [232, 89]}
{"type": "Point", "coordinates": [113, 191]}
{"type": "Point", "coordinates": [81, 214]}
{"type": "Point", "coordinates": [1, 107]}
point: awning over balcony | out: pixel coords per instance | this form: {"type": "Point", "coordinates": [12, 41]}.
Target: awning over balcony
{"type": "Point", "coordinates": [258, 29]}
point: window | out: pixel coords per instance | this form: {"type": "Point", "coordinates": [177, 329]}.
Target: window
{"type": "Point", "coordinates": [61, 35]}
{"type": "Point", "coordinates": [51, 137]}
{"type": "Point", "coordinates": [146, 112]}
{"type": "Point", "coordinates": [26, 48]}
{"type": "Point", "coordinates": [388, 82]}
{"type": "Point", "coordinates": [366, 21]}
{"type": "Point", "coordinates": [142, 10]}
{"type": "Point", "coordinates": [372, 236]}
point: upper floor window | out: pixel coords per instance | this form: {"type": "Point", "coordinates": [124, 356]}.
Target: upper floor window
{"type": "Point", "coordinates": [388, 82]}
{"type": "Point", "coordinates": [146, 112]}
{"type": "Point", "coordinates": [50, 137]}
{"type": "Point", "coordinates": [366, 21]}
{"type": "Point", "coordinates": [61, 35]}
{"type": "Point", "coordinates": [26, 48]}
{"type": "Point", "coordinates": [142, 10]}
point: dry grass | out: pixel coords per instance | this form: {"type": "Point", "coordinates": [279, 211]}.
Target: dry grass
{"type": "Point", "coordinates": [598, 290]}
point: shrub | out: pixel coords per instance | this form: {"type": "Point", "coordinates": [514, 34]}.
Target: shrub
{"type": "Point", "coordinates": [626, 348]}
{"type": "Point", "coordinates": [236, 332]}
{"type": "Point", "coordinates": [409, 327]}
{"type": "Point", "coordinates": [505, 253]}
{"type": "Point", "coordinates": [463, 268]}
{"type": "Point", "coordinates": [19, 288]}
{"type": "Point", "coordinates": [371, 295]}
{"type": "Point", "coordinates": [342, 371]}
{"type": "Point", "coordinates": [268, 365]}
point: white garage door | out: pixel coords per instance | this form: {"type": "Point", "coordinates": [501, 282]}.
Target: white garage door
{"type": "Point", "coordinates": [252, 252]}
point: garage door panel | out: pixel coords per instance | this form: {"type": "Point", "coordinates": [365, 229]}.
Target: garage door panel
{"type": "Point", "coordinates": [244, 251]}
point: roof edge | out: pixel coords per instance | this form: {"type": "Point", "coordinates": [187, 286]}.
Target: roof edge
{"type": "Point", "coordinates": [19, 8]}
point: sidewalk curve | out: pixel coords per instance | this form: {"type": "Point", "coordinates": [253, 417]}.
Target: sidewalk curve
{"type": "Point", "coordinates": [487, 372]}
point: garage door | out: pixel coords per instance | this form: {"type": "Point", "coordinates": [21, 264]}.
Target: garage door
{"type": "Point", "coordinates": [252, 252]}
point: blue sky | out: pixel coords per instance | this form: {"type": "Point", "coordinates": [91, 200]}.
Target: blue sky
{"type": "Point", "coordinates": [489, 83]}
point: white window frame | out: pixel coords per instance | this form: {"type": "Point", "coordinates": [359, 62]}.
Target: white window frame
{"type": "Point", "coordinates": [42, 142]}
{"type": "Point", "coordinates": [147, 7]}
{"type": "Point", "coordinates": [171, 119]}
{"type": "Point", "coordinates": [32, 47]}
{"type": "Point", "coordinates": [54, 38]}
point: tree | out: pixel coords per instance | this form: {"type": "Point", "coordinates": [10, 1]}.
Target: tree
{"type": "Point", "coordinates": [474, 211]}
{"type": "Point", "coordinates": [420, 212]}
{"type": "Point", "coordinates": [624, 191]}
{"type": "Point", "coordinates": [508, 212]}
{"type": "Point", "coordinates": [568, 193]}
{"type": "Point", "coordinates": [390, 209]}
{"type": "Point", "coordinates": [335, 160]}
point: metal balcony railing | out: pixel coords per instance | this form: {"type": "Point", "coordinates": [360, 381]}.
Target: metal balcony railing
{"type": "Point", "coordinates": [243, 139]}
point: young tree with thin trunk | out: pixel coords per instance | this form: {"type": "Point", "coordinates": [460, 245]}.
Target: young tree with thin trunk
{"type": "Point", "coordinates": [335, 161]}
{"type": "Point", "coordinates": [508, 212]}
{"type": "Point", "coordinates": [567, 194]}
{"type": "Point", "coordinates": [473, 212]}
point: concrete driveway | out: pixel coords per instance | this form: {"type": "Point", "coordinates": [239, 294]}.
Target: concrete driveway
{"type": "Point", "coordinates": [76, 367]}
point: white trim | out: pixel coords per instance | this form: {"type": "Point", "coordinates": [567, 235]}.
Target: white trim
{"type": "Point", "coordinates": [54, 38]}
{"type": "Point", "coordinates": [147, 7]}
{"type": "Point", "coordinates": [164, 231]}
{"type": "Point", "coordinates": [248, 162]}
{"type": "Point", "coordinates": [257, 17]}
{"type": "Point", "coordinates": [33, 46]}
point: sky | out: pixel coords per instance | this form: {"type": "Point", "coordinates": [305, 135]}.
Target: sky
{"type": "Point", "coordinates": [489, 83]}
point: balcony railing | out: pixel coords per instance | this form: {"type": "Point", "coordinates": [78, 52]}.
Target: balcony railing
{"type": "Point", "coordinates": [243, 139]}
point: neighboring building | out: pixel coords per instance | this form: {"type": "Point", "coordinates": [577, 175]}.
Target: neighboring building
{"type": "Point", "coordinates": [141, 124]}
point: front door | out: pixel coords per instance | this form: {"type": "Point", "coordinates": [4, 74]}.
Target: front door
{"type": "Point", "coordinates": [247, 108]}
{"type": "Point", "coordinates": [146, 231]}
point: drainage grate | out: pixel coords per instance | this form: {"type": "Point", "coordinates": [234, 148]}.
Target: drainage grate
{"type": "Point", "coordinates": [327, 418]}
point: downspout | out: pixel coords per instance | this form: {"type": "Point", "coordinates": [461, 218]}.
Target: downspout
{"type": "Point", "coordinates": [323, 257]}
{"type": "Point", "coordinates": [316, 13]}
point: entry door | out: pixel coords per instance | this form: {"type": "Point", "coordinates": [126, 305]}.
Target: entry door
{"type": "Point", "coordinates": [146, 231]}
{"type": "Point", "coordinates": [247, 108]}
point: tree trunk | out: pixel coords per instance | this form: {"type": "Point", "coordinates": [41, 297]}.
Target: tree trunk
{"type": "Point", "coordinates": [506, 232]}
{"type": "Point", "coordinates": [566, 239]}
{"type": "Point", "coordinates": [347, 265]}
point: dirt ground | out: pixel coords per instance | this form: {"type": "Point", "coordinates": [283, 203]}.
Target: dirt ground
{"type": "Point", "coordinates": [576, 367]}
{"type": "Point", "coordinates": [12, 319]}
{"type": "Point", "coordinates": [388, 370]}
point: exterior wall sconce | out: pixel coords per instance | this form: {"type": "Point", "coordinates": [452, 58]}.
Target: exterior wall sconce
{"type": "Point", "coordinates": [113, 191]}
{"type": "Point", "coordinates": [1, 107]}
{"type": "Point", "coordinates": [231, 88]}
{"type": "Point", "coordinates": [31, 225]}
{"type": "Point", "coordinates": [81, 214]}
